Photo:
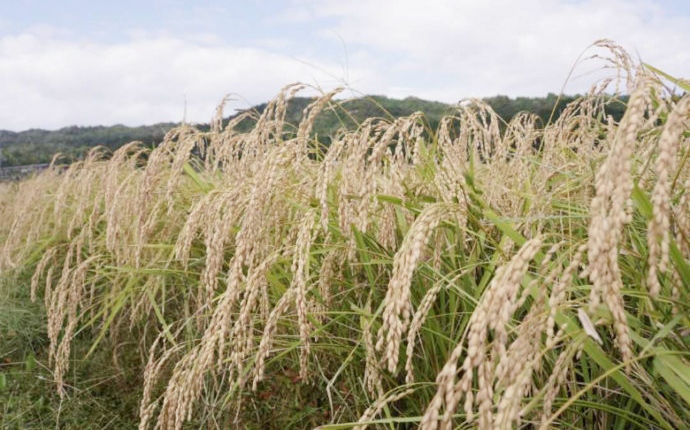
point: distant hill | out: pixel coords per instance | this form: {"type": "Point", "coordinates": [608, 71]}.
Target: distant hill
{"type": "Point", "coordinates": [351, 113]}
{"type": "Point", "coordinates": [38, 146]}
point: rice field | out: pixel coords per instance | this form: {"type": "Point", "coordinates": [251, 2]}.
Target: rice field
{"type": "Point", "coordinates": [482, 275]}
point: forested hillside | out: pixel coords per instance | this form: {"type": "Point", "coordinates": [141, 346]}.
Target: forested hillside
{"type": "Point", "coordinates": [39, 146]}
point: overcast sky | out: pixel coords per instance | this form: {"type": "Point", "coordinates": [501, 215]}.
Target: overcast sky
{"type": "Point", "coordinates": [87, 62]}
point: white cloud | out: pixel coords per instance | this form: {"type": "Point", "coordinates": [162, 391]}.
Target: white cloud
{"type": "Point", "coordinates": [437, 49]}
{"type": "Point", "coordinates": [56, 82]}
{"type": "Point", "coordinates": [498, 46]}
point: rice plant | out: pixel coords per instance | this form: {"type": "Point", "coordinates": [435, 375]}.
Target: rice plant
{"type": "Point", "coordinates": [481, 275]}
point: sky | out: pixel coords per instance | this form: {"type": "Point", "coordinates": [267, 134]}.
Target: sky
{"type": "Point", "coordinates": [89, 62]}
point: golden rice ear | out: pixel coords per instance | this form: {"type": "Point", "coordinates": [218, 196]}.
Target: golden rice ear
{"type": "Point", "coordinates": [659, 229]}
{"type": "Point", "coordinates": [484, 357]}
{"type": "Point", "coordinates": [610, 211]}
{"type": "Point", "coordinates": [397, 307]}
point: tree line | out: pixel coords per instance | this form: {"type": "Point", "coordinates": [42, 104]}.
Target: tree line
{"type": "Point", "coordinates": [39, 146]}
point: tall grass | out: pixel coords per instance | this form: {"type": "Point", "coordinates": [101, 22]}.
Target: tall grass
{"type": "Point", "coordinates": [484, 274]}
